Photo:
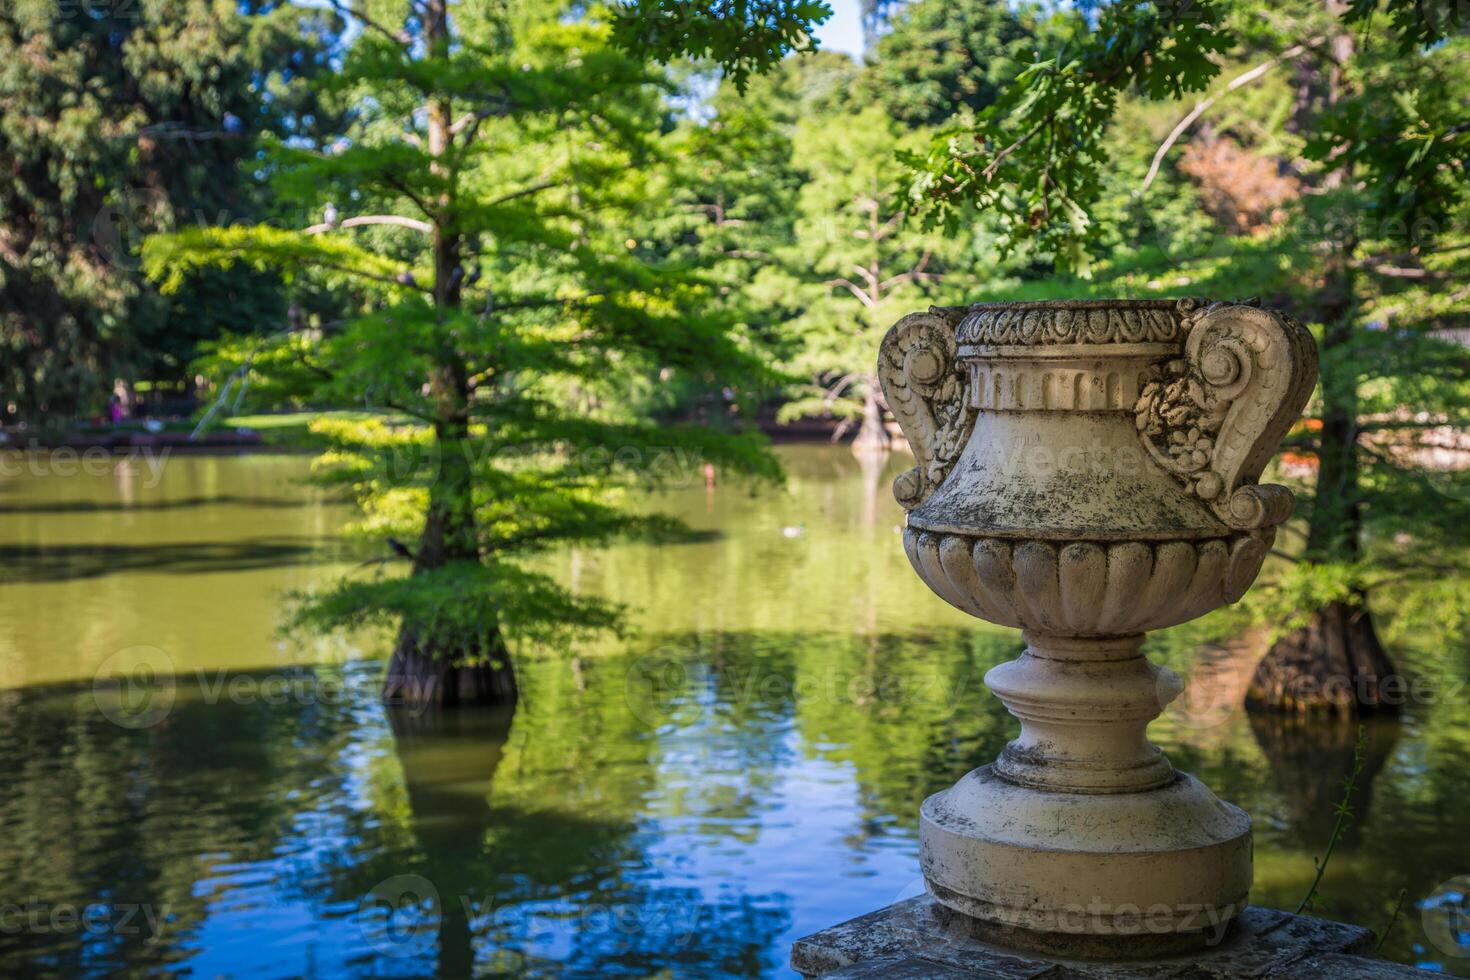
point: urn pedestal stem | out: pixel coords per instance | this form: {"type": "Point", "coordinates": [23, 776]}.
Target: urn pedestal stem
{"type": "Point", "coordinates": [1083, 704]}
{"type": "Point", "coordinates": [1087, 472]}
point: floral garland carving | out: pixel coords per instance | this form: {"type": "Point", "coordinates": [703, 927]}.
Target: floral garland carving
{"type": "Point", "coordinates": [1214, 417]}
{"type": "Point", "coordinates": [1179, 416]}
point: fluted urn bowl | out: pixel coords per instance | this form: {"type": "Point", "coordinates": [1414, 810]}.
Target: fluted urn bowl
{"type": "Point", "coordinates": [1084, 587]}
{"type": "Point", "coordinates": [1087, 471]}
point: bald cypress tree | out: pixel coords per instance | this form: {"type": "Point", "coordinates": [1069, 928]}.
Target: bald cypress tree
{"type": "Point", "coordinates": [491, 209]}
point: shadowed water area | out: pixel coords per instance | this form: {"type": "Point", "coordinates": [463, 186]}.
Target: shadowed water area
{"type": "Point", "coordinates": [744, 770]}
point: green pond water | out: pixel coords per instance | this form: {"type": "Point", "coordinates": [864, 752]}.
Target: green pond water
{"type": "Point", "coordinates": [186, 793]}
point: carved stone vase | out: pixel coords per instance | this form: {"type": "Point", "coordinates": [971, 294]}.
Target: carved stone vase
{"type": "Point", "coordinates": [1086, 472]}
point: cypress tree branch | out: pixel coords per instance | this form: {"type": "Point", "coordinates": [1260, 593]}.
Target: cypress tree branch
{"type": "Point", "coordinates": [372, 219]}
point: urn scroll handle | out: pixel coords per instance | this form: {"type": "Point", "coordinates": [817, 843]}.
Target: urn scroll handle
{"type": "Point", "coordinates": [1216, 416]}
{"type": "Point", "coordinates": [928, 394]}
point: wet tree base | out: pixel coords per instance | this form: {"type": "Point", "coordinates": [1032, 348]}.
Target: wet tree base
{"type": "Point", "coordinates": [1335, 664]}
{"type": "Point", "coordinates": [423, 677]}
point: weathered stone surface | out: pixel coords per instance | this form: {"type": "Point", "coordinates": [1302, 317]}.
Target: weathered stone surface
{"type": "Point", "coordinates": [1088, 471]}
{"type": "Point", "coordinates": [920, 938]}
{"type": "Point", "coordinates": [1339, 967]}
{"type": "Point", "coordinates": [901, 968]}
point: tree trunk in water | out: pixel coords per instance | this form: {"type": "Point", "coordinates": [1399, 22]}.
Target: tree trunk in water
{"type": "Point", "coordinates": [421, 676]}
{"type": "Point", "coordinates": [872, 437]}
{"type": "Point", "coordinates": [426, 672]}
{"type": "Point", "coordinates": [1333, 664]}
{"type": "Point", "coordinates": [449, 761]}
{"type": "Point", "coordinates": [871, 465]}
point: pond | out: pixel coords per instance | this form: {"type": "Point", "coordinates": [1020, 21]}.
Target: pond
{"type": "Point", "coordinates": [743, 770]}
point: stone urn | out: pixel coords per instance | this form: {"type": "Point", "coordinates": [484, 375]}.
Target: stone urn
{"type": "Point", "coordinates": [1087, 472]}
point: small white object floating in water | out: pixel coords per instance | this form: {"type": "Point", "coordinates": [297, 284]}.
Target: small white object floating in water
{"type": "Point", "coordinates": [793, 532]}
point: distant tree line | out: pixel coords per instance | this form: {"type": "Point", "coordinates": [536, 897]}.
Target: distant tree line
{"type": "Point", "coordinates": [122, 119]}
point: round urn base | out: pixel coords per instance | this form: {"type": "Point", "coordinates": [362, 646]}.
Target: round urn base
{"type": "Point", "coordinates": [1126, 875]}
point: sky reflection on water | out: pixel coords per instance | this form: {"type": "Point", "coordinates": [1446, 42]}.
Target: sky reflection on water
{"type": "Point", "coordinates": [746, 770]}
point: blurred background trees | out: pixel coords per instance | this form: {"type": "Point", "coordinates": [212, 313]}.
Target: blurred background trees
{"type": "Point", "coordinates": [859, 263]}
{"type": "Point", "coordinates": [116, 120]}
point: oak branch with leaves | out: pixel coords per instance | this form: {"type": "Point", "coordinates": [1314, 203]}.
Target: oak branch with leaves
{"type": "Point", "coordinates": [1373, 133]}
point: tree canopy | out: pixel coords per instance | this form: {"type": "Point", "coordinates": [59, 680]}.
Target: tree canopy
{"type": "Point", "coordinates": [117, 120]}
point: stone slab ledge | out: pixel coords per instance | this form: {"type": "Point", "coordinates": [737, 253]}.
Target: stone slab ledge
{"type": "Point", "coordinates": [918, 939]}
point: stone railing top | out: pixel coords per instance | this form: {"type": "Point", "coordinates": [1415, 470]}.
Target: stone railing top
{"type": "Point", "coordinates": [922, 940]}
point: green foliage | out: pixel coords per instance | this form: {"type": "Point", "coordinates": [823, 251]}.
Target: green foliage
{"type": "Point", "coordinates": [1416, 23]}
{"type": "Point", "coordinates": [940, 57]}
{"type": "Point", "coordinates": [743, 38]}
{"type": "Point", "coordinates": [115, 120]}
{"type": "Point", "coordinates": [172, 260]}
{"type": "Point", "coordinates": [452, 603]}
{"type": "Point", "coordinates": [1301, 589]}
{"type": "Point", "coordinates": [854, 260]}
{"type": "Point", "coordinates": [1034, 158]}
{"type": "Point", "coordinates": [1343, 810]}
{"type": "Point", "coordinates": [814, 86]}
{"type": "Point", "coordinates": [733, 201]}
{"type": "Point", "coordinates": [1403, 132]}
